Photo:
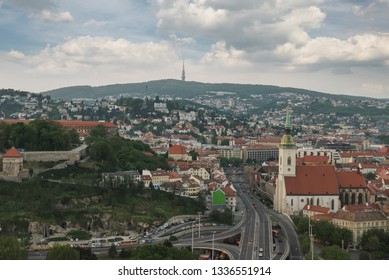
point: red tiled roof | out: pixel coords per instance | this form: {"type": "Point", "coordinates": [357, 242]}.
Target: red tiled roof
{"type": "Point", "coordinates": [276, 140]}
{"type": "Point", "coordinates": [315, 208]}
{"type": "Point", "coordinates": [66, 123]}
{"type": "Point", "coordinates": [360, 153]}
{"type": "Point", "coordinates": [384, 150]}
{"type": "Point", "coordinates": [174, 175]}
{"type": "Point", "coordinates": [11, 121]}
{"type": "Point", "coordinates": [13, 153]}
{"type": "Point", "coordinates": [85, 124]}
{"type": "Point", "coordinates": [313, 159]}
{"type": "Point", "coordinates": [312, 180]}
{"type": "Point", "coordinates": [228, 191]}
{"type": "Point", "coordinates": [327, 216]}
{"type": "Point", "coordinates": [177, 150]}
{"type": "Point", "coordinates": [368, 165]}
{"type": "Point", "coordinates": [360, 216]}
{"type": "Point", "coordinates": [350, 179]}
{"type": "Point", "coordinates": [362, 207]}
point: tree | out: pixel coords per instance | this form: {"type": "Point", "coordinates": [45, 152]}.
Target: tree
{"type": "Point", "coordinates": [86, 254]}
{"type": "Point", "coordinates": [375, 240]}
{"type": "Point", "coordinates": [303, 225]}
{"type": "Point", "coordinates": [63, 252]}
{"type": "Point", "coordinates": [363, 255]}
{"type": "Point", "coordinates": [324, 231]}
{"type": "Point", "coordinates": [112, 252]}
{"type": "Point", "coordinates": [334, 252]}
{"type": "Point", "coordinates": [167, 243]}
{"type": "Point", "coordinates": [193, 154]}
{"type": "Point", "coordinates": [370, 176]}
{"type": "Point", "coordinates": [11, 249]}
{"type": "Point", "coordinates": [98, 131]}
{"type": "Point", "coordinates": [125, 253]}
{"type": "Point", "coordinates": [305, 244]}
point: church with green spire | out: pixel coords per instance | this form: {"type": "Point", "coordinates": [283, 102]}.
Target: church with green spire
{"type": "Point", "coordinates": [300, 185]}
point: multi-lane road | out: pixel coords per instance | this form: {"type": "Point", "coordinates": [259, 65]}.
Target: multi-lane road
{"type": "Point", "coordinates": [257, 231]}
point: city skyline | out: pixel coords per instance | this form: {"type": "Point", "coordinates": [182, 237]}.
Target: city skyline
{"type": "Point", "coordinates": [324, 45]}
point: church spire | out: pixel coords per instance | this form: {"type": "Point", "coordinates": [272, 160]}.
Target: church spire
{"type": "Point", "coordinates": [287, 121]}
{"type": "Point", "coordinates": [287, 140]}
{"type": "Point", "coordinates": [183, 71]}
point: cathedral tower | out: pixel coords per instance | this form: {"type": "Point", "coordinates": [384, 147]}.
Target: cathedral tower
{"type": "Point", "coordinates": [287, 150]}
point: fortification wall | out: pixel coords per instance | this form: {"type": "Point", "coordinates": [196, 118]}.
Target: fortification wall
{"type": "Point", "coordinates": [72, 156]}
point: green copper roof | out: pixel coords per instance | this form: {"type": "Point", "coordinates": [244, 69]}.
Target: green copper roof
{"type": "Point", "coordinates": [287, 120]}
{"type": "Point", "coordinates": [287, 141]}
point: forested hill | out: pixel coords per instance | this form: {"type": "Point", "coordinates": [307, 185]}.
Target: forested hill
{"type": "Point", "coordinates": [177, 88]}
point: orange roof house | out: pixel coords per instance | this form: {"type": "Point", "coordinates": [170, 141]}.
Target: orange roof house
{"type": "Point", "coordinates": [312, 180]}
{"type": "Point", "coordinates": [178, 152]}
{"type": "Point", "coordinates": [350, 180]}
{"type": "Point", "coordinates": [13, 152]}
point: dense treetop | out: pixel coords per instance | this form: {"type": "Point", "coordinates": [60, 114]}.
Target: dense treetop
{"type": "Point", "coordinates": [38, 135]}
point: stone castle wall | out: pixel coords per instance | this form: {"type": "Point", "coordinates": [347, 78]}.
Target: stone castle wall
{"type": "Point", "coordinates": [72, 156]}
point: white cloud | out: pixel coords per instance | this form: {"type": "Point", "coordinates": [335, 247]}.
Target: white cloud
{"type": "Point", "coordinates": [55, 17]}
{"type": "Point", "coordinates": [95, 23]}
{"type": "Point", "coordinates": [359, 50]}
{"type": "Point", "coordinates": [223, 56]}
{"type": "Point", "coordinates": [183, 40]}
{"type": "Point", "coordinates": [308, 18]}
{"type": "Point", "coordinates": [81, 53]}
{"type": "Point", "coordinates": [256, 24]}
{"type": "Point", "coordinates": [15, 55]}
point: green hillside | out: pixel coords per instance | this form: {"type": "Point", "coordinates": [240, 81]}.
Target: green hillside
{"type": "Point", "coordinates": [177, 88]}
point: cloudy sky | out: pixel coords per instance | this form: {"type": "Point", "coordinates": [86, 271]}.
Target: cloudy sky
{"type": "Point", "coordinates": [326, 45]}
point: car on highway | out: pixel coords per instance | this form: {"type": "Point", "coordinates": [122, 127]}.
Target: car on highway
{"type": "Point", "coordinates": [260, 254]}
{"type": "Point", "coordinates": [250, 241]}
{"type": "Point", "coordinates": [260, 249]}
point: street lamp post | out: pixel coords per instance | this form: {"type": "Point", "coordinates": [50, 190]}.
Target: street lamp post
{"type": "Point", "coordinates": [192, 235]}
{"type": "Point", "coordinates": [199, 222]}
{"type": "Point", "coordinates": [310, 232]}
{"type": "Point", "coordinates": [232, 216]}
{"type": "Point", "coordinates": [213, 244]}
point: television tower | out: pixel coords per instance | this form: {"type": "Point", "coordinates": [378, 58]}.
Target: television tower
{"type": "Point", "coordinates": [183, 71]}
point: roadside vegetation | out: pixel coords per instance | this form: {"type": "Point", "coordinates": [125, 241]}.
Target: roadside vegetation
{"type": "Point", "coordinates": [375, 245]}
{"type": "Point", "coordinates": [328, 236]}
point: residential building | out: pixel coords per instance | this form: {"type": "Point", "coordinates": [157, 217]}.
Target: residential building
{"type": "Point", "coordinates": [361, 219]}
{"type": "Point", "coordinates": [114, 179]}
{"type": "Point", "coordinates": [178, 153]}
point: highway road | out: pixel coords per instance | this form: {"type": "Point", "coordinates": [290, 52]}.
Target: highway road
{"type": "Point", "coordinates": [262, 226]}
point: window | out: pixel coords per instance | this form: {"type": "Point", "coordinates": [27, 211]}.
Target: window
{"type": "Point", "coordinates": [317, 201]}
{"type": "Point", "coordinates": [360, 198]}
{"type": "Point", "coordinates": [289, 161]}
{"type": "Point", "coordinates": [332, 204]}
{"type": "Point", "coordinates": [291, 202]}
{"type": "Point", "coordinates": [353, 198]}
